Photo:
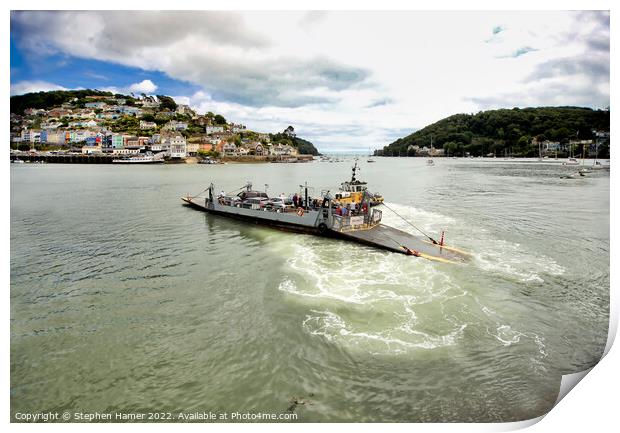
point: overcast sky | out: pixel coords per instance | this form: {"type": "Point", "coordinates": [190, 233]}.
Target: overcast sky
{"type": "Point", "coordinates": [344, 80]}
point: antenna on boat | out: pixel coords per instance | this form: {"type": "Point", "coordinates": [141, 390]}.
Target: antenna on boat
{"type": "Point", "coordinates": [354, 169]}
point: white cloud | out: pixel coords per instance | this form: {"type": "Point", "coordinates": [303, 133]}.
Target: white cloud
{"type": "Point", "coordinates": [22, 87]}
{"type": "Point", "coordinates": [144, 86]}
{"type": "Point", "coordinates": [346, 79]}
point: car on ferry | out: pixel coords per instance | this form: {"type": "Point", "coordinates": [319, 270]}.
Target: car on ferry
{"type": "Point", "coordinates": [280, 204]}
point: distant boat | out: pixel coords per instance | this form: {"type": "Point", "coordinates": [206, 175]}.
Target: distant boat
{"type": "Point", "coordinates": [571, 161]}
{"type": "Point", "coordinates": [370, 155]}
{"type": "Point", "coordinates": [142, 159]}
{"type": "Point", "coordinates": [430, 161]}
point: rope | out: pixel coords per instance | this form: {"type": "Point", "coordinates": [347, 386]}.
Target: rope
{"type": "Point", "coordinates": [198, 195]}
{"type": "Point", "coordinates": [410, 223]}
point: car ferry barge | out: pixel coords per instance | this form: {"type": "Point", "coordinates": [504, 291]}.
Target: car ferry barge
{"type": "Point", "coordinates": [324, 217]}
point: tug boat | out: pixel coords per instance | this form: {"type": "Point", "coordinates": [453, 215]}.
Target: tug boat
{"type": "Point", "coordinates": [354, 190]}
{"type": "Point", "coordinates": [323, 216]}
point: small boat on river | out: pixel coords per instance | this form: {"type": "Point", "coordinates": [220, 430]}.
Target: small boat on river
{"type": "Point", "coordinates": [322, 216]}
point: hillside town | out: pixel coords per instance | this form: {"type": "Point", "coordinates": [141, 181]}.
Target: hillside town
{"type": "Point", "coordinates": [127, 126]}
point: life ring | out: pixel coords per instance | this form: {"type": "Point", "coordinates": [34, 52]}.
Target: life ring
{"type": "Point", "coordinates": [300, 211]}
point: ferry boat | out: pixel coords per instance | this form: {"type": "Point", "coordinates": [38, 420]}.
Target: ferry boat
{"type": "Point", "coordinates": [140, 159]}
{"type": "Point", "coordinates": [354, 190]}
{"type": "Point", "coordinates": [323, 217]}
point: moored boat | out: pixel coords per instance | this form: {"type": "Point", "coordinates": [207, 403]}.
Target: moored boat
{"type": "Point", "coordinates": [140, 159]}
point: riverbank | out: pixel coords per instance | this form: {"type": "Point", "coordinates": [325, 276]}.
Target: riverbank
{"type": "Point", "coordinates": [108, 159]}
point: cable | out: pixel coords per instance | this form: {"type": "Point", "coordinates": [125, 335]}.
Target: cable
{"type": "Point", "coordinates": [411, 224]}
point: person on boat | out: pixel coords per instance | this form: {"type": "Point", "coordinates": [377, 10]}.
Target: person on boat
{"type": "Point", "coordinates": [365, 208]}
{"type": "Point", "coordinates": [344, 211]}
{"type": "Point", "coordinates": [282, 197]}
{"type": "Point", "coordinates": [295, 200]}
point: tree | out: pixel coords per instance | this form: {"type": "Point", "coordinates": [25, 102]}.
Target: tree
{"type": "Point", "coordinates": [166, 103]}
{"type": "Point", "coordinates": [23, 147]}
{"type": "Point", "coordinates": [219, 119]}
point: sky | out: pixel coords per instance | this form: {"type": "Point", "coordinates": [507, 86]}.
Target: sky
{"type": "Point", "coordinates": [347, 81]}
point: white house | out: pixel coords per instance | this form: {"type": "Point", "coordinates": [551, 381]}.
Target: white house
{"type": "Point", "coordinates": [147, 125]}
{"type": "Point", "coordinates": [177, 146]}
{"type": "Point", "coordinates": [214, 129]}
{"type": "Point", "coordinates": [237, 128]}
{"type": "Point", "coordinates": [282, 149]}
{"type": "Point", "coordinates": [230, 149]}
{"type": "Point", "coordinates": [179, 126]}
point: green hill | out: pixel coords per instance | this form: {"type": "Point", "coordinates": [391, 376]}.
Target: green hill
{"type": "Point", "coordinates": [495, 130]}
{"type": "Point", "coordinates": [48, 100]}
{"type": "Point", "coordinates": [304, 147]}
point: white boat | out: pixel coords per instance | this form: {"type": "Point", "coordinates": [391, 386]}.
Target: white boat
{"type": "Point", "coordinates": [141, 159]}
{"type": "Point", "coordinates": [430, 161]}
{"type": "Point", "coordinates": [571, 161]}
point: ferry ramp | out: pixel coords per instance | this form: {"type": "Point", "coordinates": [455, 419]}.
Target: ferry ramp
{"type": "Point", "coordinates": [395, 240]}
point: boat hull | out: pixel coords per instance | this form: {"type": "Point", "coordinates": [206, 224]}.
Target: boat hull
{"type": "Point", "coordinates": [289, 221]}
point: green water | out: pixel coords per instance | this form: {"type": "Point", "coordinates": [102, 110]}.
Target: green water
{"type": "Point", "coordinates": [123, 300]}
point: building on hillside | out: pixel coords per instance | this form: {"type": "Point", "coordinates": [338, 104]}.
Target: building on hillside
{"type": "Point", "coordinates": [97, 105]}
{"type": "Point", "coordinates": [237, 128]}
{"type": "Point", "coordinates": [175, 126]}
{"type": "Point", "coordinates": [280, 149]}
{"type": "Point", "coordinates": [176, 146]}
{"type": "Point", "coordinates": [118, 141]}
{"type": "Point", "coordinates": [192, 148]}
{"type": "Point", "coordinates": [214, 130]}
{"type": "Point", "coordinates": [255, 148]}
{"type": "Point", "coordinates": [147, 125]}
{"type": "Point", "coordinates": [230, 149]}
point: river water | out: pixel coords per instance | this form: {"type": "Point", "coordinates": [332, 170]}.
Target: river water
{"type": "Point", "coordinates": [124, 300]}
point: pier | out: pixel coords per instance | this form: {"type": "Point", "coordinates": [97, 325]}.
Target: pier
{"type": "Point", "coordinates": [65, 158]}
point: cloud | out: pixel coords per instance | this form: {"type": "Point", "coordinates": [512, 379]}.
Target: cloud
{"type": "Point", "coordinates": [216, 50]}
{"type": "Point", "coordinates": [95, 75]}
{"type": "Point", "coordinates": [144, 86]}
{"type": "Point", "coordinates": [523, 50]}
{"type": "Point", "coordinates": [595, 67]}
{"type": "Point", "coordinates": [22, 87]}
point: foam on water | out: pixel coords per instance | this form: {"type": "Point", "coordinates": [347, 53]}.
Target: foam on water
{"type": "Point", "coordinates": [343, 284]}
{"type": "Point", "coordinates": [334, 328]}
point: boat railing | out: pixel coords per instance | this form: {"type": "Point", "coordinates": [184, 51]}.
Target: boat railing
{"type": "Point", "coordinates": [357, 222]}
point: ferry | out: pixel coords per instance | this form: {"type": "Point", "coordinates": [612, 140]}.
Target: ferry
{"type": "Point", "coordinates": [354, 190]}
{"type": "Point", "coordinates": [322, 216]}
{"type": "Point", "coordinates": [147, 158]}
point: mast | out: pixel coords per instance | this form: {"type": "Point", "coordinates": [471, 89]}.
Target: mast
{"type": "Point", "coordinates": [431, 146]}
